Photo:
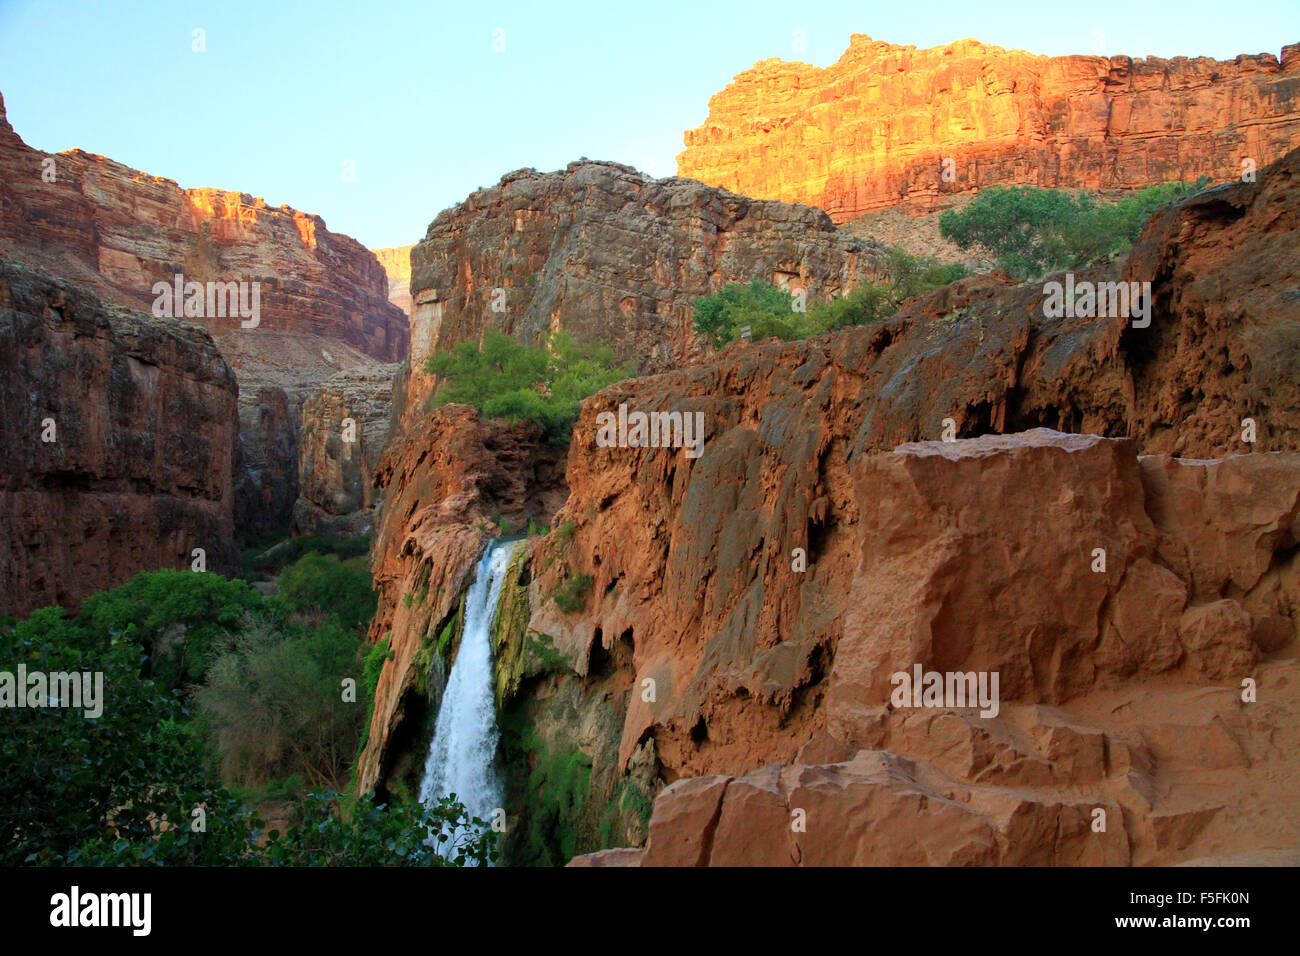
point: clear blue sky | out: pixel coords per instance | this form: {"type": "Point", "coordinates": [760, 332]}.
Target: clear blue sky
{"type": "Point", "coordinates": [414, 94]}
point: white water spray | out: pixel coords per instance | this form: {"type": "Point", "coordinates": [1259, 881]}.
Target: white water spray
{"type": "Point", "coordinates": [465, 735]}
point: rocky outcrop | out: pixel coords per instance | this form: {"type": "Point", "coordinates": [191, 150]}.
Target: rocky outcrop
{"type": "Point", "coordinates": [119, 432]}
{"type": "Point", "coordinates": [768, 589]}
{"type": "Point", "coordinates": [344, 428]}
{"type": "Point", "coordinates": [605, 253]}
{"type": "Point", "coordinates": [874, 129]}
{"type": "Point", "coordinates": [1033, 557]}
{"type": "Point", "coordinates": [322, 297]}
{"type": "Point", "coordinates": [397, 266]}
{"type": "Point", "coordinates": [449, 485]}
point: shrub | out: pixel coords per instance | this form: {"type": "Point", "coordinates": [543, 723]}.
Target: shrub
{"type": "Point", "coordinates": [398, 834]}
{"type": "Point", "coordinates": [112, 790]}
{"type": "Point", "coordinates": [508, 380]}
{"type": "Point", "coordinates": [273, 703]}
{"type": "Point", "coordinates": [769, 310]}
{"type": "Point", "coordinates": [177, 616]}
{"type": "Point", "coordinates": [1032, 231]}
{"type": "Point", "coordinates": [325, 585]}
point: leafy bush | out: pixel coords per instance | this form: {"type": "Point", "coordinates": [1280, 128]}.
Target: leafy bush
{"type": "Point", "coordinates": [325, 585]}
{"type": "Point", "coordinates": [1032, 231]}
{"type": "Point", "coordinates": [508, 380]}
{"type": "Point", "coordinates": [371, 834]}
{"type": "Point", "coordinates": [760, 305]}
{"type": "Point", "coordinates": [178, 617]}
{"type": "Point", "coordinates": [119, 788]}
{"type": "Point", "coordinates": [769, 311]}
{"type": "Point", "coordinates": [273, 703]}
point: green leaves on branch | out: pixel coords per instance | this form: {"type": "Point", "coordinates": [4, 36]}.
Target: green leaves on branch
{"type": "Point", "coordinates": [508, 380]}
{"type": "Point", "coordinates": [1031, 231]}
{"type": "Point", "coordinates": [769, 311]}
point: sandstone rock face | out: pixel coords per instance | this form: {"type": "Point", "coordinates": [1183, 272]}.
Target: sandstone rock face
{"type": "Point", "coordinates": [138, 471]}
{"type": "Point", "coordinates": [603, 252]}
{"type": "Point", "coordinates": [397, 266]}
{"type": "Point", "coordinates": [746, 610]}
{"type": "Point", "coordinates": [344, 427]}
{"type": "Point", "coordinates": [442, 483]}
{"type": "Point", "coordinates": [322, 296]}
{"type": "Point", "coordinates": [799, 563]}
{"type": "Point", "coordinates": [873, 130]}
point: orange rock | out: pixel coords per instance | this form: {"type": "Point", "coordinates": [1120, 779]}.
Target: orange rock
{"type": "Point", "coordinates": [876, 128]}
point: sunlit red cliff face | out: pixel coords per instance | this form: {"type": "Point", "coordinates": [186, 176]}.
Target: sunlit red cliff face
{"type": "Point", "coordinates": [874, 129]}
{"type": "Point", "coordinates": [323, 297]}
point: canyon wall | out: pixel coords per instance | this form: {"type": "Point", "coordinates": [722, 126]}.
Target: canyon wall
{"type": "Point", "coordinates": [828, 535]}
{"type": "Point", "coordinates": [322, 296]}
{"type": "Point", "coordinates": [344, 428]}
{"type": "Point", "coordinates": [873, 130]}
{"type": "Point", "coordinates": [397, 266]}
{"type": "Point", "coordinates": [140, 417]}
{"type": "Point", "coordinates": [605, 253]}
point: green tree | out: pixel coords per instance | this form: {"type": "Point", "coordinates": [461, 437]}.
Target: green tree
{"type": "Point", "coordinates": [515, 382]}
{"type": "Point", "coordinates": [273, 702]}
{"type": "Point", "coordinates": [324, 585]}
{"type": "Point", "coordinates": [178, 617]}
{"type": "Point", "coordinates": [1032, 231]}
{"type": "Point", "coordinates": [119, 788]}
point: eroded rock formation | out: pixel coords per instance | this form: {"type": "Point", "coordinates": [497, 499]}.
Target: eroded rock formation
{"type": "Point", "coordinates": [873, 129]}
{"type": "Point", "coordinates": [322, 296]}
{"type": "Point", "coordinates": [397, 266]}
{"type": "Point", "coordinates": [606, 253]}
{"type": "Point", "coordinates": [719, 632]}
{"type": "Point", "coordinates": [140, 417]}
{"type": "Point", "coordinates": [344, 427]}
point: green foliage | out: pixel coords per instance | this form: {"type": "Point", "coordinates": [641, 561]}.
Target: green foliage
{"type": "Point", "coordinates": [372, 665]}
{"type": "Point", "coordinates": [178, 617]}
{"type": "Point", "coordinates": [325, 585]}
{"type": "Point", "coordinates": [508, 380]}
{"type": "Point", "coordinates": [1032, 231]}
{"type": "Point", "coordinates": [371, 834]}
{"type": "Point", "coordinates": [551, 797]}
{"type": "Point", "coordinates": [571, 594]}
{"type": "Point", "coordinates": [766, 309]}
{"type": "Point", "coordinates": [770, 311]}
{"type": "Point", "coordinates": [565, 531]}
{"type": "Point", "coordinates": [535, 529]}
{"type": "Point", "coordinates": [273, 703]}
{"type": "Point", "coordinates": [116, 789]}
{"type": "Point", "coordinates": [121, 788]}
{"type": "Point", "coordinates": [627, 797]}
{"type": "Point", "coordinates": [263, 557]}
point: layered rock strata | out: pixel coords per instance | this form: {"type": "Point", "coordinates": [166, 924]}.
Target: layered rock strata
{"type": "Point", "coordinates": [887, 124]}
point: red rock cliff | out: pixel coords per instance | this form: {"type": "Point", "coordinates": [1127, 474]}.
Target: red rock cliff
{"type": "Point", "coordinates": [873, 129]}
{"type": "Point", "coordinates": [141, 416]}
{"type": "Point", "coordinates": [604, 252]}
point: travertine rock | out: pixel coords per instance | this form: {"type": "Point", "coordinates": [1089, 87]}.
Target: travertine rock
{"type": "Point", "coordinates": [138, 473]}
{"type": "Point", "coordinates": [873, 129]}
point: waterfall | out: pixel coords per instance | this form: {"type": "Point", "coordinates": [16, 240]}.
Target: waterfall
{"type": "Point", "coordinates": [461, 754]}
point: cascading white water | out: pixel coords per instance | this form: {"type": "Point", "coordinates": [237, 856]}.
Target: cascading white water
{"type": "Point", "coordinates": [465, 734]}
